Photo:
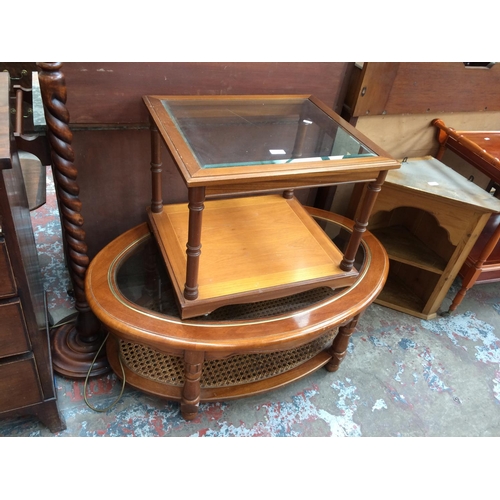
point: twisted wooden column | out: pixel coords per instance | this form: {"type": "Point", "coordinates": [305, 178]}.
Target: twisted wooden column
{"type": "Point", "coordinates": [74, 346]}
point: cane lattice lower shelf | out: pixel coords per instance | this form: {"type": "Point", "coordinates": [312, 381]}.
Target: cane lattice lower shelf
{"type": "Point", "coordinates": [233, 376]}
{"type": "Point", "coordinates": [235, 370]}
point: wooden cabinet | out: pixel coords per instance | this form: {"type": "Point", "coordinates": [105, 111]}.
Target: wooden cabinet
{"type": "Point", "coordinates": [26, 378]}
{"type": "Point", "coordinates": [428, 218]}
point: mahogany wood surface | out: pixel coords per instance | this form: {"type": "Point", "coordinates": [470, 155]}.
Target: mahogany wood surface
{"type": "Point", "coordinates": [175, 393]}
{"type": "Point", "coordinates": [482, 150]}
{"type": "Point", "coordinates": [8, 283]}
{"type": "Point", "coordinates": [361, 220]}
{"type": "Point", "coordinates": [338, 351]}
{"type": "Point", "coordinates": [110, 145]}
{"type": "Point", "coordinates": [167, 333]}
{"type": "Point", "coordinates": [196, 208]}
{"type": "Point", "coordinates": [203, 339]}
{"type": "Point", "coordinates": [35, 179]}
{"type": "Point", "coordinates": [111, 92]}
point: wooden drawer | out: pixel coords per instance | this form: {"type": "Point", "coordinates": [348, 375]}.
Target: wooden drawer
{"type": "Point", "coordinates": [7, 282]}
{"type": "Point", "coordinates": [13, 332]}
{"type": "Point", "coordinates": [19, 384]}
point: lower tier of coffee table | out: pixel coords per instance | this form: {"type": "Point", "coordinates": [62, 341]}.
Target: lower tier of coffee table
{"type": "Point", "coordinates": [238, 350]}
{"type": "Point", "coordinates": [221, 379]}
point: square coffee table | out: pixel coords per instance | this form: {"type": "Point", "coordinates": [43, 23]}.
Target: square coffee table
{"type": "Point", "coordinates": [232, 149]}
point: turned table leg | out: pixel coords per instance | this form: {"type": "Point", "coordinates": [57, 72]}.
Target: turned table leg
{"type": "Point", "coordinates": [156, 170]}
{"type": "Point", "coordinates": [193, 251]}
{"type": "Point", "coordinates": [193, 363]}
{"type": "Point", "coordinates": [338, 350]}
{"type": "Point", "coordinates": [361, 222]}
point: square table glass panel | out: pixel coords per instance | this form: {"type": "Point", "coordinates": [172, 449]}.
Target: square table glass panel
{"type": "Point", "coordinates": [243, 132]}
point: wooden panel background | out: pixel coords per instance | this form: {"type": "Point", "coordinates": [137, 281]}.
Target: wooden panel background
{"type": "Point", "coordinates": [444, 88]}
{"type": "Point", "coordinates": [420, 87]}
{"type": "Point", "coordinates": [110, 93]}
{"type": "Point", "coordinates": [394, 104]}
{"type": "Point", "coordinates": [110, 126]}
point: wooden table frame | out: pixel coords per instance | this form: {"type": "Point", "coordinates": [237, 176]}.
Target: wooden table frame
{"type": "Point", "coordinates": [204, 183]}
{"type": "Point", "coordinates": [197, 341]}
{"type": "Point", "coordinates": [481, 149]}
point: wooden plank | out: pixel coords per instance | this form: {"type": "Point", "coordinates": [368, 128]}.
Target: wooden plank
{"type": "Point", "coordinates": [110, 93]}
{"type": "Point", "coordinates": [444, 87]}
{"type": "Point", "coordinates": [422, 88]}
{"type": "Point", "coordinates": [374, 88]}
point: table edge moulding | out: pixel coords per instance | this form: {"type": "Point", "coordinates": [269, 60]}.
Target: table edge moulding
{"type": "Point", "coordinates": [182, 246]}
{"type": "Point", "coordinates": [195, 344]}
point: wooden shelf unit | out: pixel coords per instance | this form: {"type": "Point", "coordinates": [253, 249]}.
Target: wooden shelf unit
{"type": "Point", "coordinates": [428, 218]}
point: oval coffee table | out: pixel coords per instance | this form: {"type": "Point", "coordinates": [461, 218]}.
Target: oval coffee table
{"type": "Point", "coordinates": [237, 350]}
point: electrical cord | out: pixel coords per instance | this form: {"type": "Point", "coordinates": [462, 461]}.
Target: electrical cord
{"type": "Point", "coordinates": [102, 410]}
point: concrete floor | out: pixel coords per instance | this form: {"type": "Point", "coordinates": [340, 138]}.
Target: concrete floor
{"type": "Point", "coordinates": [402, 377]}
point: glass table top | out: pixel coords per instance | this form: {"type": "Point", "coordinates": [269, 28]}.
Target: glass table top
{"type": "Point", "coordinates": [249, 131]}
